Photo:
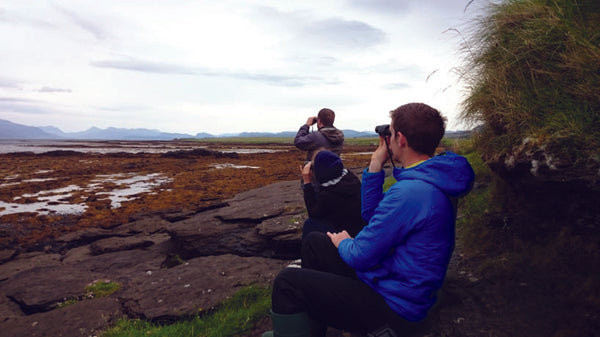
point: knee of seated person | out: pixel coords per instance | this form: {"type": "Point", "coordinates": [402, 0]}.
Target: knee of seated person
{"type": "Point", "coordinates": [284, 285]}
{"type": "Point", "coordinates": [286, 278]}
{"type": "Point", "coordinates": [314, 241]}
{"type": "Point", "coordinates": [284, 299]}
{"type": "Point", "coordinates": [313, 237]}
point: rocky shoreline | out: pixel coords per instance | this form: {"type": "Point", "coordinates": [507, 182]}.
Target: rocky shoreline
{"type": "Point", "coordinates": [170, 266]}
{"type": "Point", "coordinates": [185, 249]}
{"type": "Point", "coordinates": [174, 265]}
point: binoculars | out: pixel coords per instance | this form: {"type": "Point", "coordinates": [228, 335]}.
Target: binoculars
{"type": "Point", "coordinates": [383, 130]}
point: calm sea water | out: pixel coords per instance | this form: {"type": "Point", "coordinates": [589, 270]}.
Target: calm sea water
{"type": "Point", "coordinates": [41, 146]}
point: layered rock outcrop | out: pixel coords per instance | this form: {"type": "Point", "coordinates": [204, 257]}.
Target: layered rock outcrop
{"type": "Point", "coordinates": [169, 265]}
{"type": "Point", "coordinates": [542, 187]}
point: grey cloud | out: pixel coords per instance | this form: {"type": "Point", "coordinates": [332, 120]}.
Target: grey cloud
{"type": "Point", "coordinates": [165, 68]}
{"type": "Point", "coordinates": [412, 71]}
{"type": "Point", "coordinates": [83, 23]}
{"type": "Point", "coordinates": [337, 32]}
{"type": "Point", "coordinates": [49, 89]}
{"type": "Point", "coordinates": [388, 7]}
{"type": "Point", "coordinates": [396, 86]}
{"type": "Point", "coordinates": [17, 100]}
{"type": "Point", "coordinates": [288, 81]}
{"type": "Point", "coordinates": [144, 66]}
{"type": "Point", "coordinates": [17, 19]}
{"type": "Point", "coordinates": [323, 61]}
{"type": "Point", "coordinates": [22, 105]}
{"type": "Point", "coordinates": [271, 16]}
{"type": "Point", "coordinates": [397, 69]}
{"type": "Point", "coordinates": [8, 83]}
{"type": "Point", "coordinates": [307, 32]}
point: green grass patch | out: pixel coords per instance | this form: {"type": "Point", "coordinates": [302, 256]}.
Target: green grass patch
{"type": "Point", "coordinates": [234, 317]}
{"type": "Point", "coordinates": [98, 288]}
{"type": "Point", "coordinates": [475, 209]}
{"type": "Point", "coordinates": [67, 302]}
{"type": "Point", "coordinates": [102, 288]}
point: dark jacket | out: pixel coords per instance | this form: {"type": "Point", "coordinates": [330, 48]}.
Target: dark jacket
{"type": "Point", "coordinates": [338, 204]}
{"type": "Point", "coordinates": [329, 137]}
{"type": "Point", "coordinates": [404, 250]}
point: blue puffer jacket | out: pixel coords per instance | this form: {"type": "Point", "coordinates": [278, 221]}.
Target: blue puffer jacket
{"type": "Point", "coordinates": [404, 251]}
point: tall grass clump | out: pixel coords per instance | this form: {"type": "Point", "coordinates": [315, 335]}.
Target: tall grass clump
{"type": "Point", "coordinates": [532, 74]}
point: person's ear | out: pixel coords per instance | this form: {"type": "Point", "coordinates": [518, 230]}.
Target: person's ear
{"type": "Point", "coordinates": [400, 139]}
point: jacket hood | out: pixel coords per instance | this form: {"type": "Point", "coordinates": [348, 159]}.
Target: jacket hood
{"type": "Point", "coordinates": [346, 185]}
{"type": "Point", "coordinates": [333, 134]}
{"type": "Point", "coordinates": [449, 172]}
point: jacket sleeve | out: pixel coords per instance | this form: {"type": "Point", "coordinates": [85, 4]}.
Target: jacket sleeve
{"type": "Point", "coordinates": [390, 222]}
{"type": "Point", "coordinates": [371, 192]}
{"type": "Point", "coordinates": [310, 199]}
{"type": "Point", "coordinates": [304, 140]}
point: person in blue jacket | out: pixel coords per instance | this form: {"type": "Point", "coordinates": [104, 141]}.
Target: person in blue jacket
{"type": "Point", "coordinates": [383, 281]}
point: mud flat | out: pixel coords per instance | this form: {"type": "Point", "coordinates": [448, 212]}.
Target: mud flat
{"type": "Point", "coordinates": [47, 193]}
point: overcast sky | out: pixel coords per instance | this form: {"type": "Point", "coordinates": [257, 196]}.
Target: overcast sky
{"type": "Point", "coordinates": [226, 65]}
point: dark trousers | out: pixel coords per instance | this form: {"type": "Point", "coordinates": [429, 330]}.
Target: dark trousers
{"type": "Point", "coordinates": [312, 225]}
{"type": "Point", "coordinates": [327, 289]}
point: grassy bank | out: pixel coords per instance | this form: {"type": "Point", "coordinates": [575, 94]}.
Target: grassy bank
{"type": "Point", "coordinates": [532, 71]}
{"type": "Point", "coordinates": [234, 317]}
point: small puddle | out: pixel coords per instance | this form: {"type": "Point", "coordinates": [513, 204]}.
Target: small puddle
{"type": "Point", "coordinates": [48, 202]}
{"type": "Point", "coordinates": [135, 185]}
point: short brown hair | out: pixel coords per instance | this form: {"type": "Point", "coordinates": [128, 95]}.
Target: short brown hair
{"type": "Point", "coordinates": [422, 125]}
{"type": "Point", "coordinates": [327, 116]}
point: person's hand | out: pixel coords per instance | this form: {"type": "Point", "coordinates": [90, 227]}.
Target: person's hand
{"type": "Point", "coordinates": [336, 238]}
{"type": "Point", "coordinates": [306, 172]}
{"type": "Point", "coordinates": [311, 120]}
{"type": "Point", "coordinates": [379, 157]}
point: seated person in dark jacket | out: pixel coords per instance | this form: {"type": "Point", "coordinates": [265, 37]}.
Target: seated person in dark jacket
{"type": "Point", "coordinates": [336, 206]}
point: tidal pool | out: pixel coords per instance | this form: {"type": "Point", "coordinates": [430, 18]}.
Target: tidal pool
{"type": "Point", "coordinates": [46, 202]}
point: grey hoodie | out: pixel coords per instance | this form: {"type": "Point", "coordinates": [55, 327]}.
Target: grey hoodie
{"type": "Point", "coordinates": [329, 137]}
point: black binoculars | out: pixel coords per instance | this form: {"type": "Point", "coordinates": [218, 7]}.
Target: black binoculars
{"type": "Point", "coordinates": [383, 130]}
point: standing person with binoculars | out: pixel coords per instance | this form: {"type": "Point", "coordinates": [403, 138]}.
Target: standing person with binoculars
{"type": "Point", "coordinates": [383, 281]}
{"type": "Point", "coordinates": [326, 137]}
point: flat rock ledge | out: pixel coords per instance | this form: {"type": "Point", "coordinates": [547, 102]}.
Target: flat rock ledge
{"type": "Point", "coordinates": [169, 266]}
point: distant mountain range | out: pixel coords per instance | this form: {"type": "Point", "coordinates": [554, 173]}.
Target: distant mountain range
{"type": "Point", "coordinates": [10, 130]}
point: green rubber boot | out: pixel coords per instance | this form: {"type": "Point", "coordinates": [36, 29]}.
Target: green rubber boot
{"type": "Point", "coordinates": [295, 325]}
